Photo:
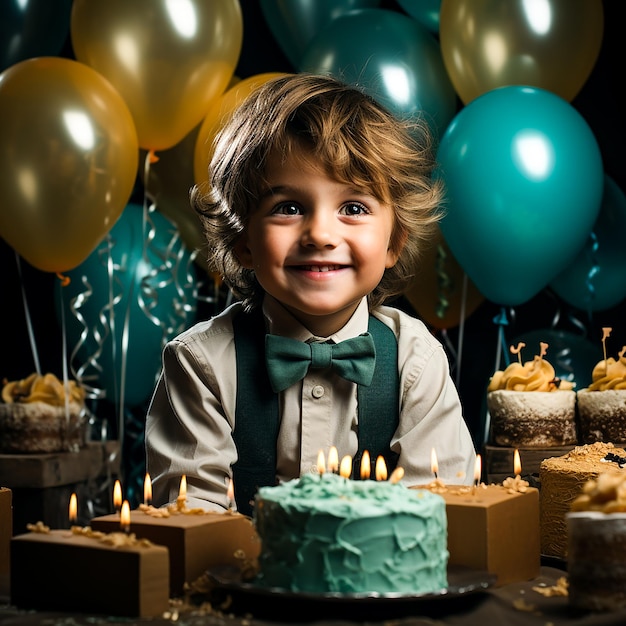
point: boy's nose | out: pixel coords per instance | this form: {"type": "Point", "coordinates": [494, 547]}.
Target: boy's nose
{"type": "Point", "coordinates": [319, 231]}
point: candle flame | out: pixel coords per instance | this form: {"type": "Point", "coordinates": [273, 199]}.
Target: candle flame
{"type": "Point", "coordinates": [125, 516]}
{"type": "Point", "coordinates": [517, 463]}
{"type": "Point", "coordinates": [477, 469]}
{"type": "Point", "coordinates": [345, 469]}
{"type": "Point", "coordinates": [73, 512]}
{"type": "Point", "coordinates": [333, 460]}
{"type": "Point", "coordinates": [230, 492]}
{"type": "Point", "coordinates": [321, 462]}
{"type": "Point", "coordinates": [147, 490]}
{"type": "Point", "coordinates": [117, 495]}
{"type": "Point", "coordinates": [434, 466]}
{"type": "Point", "coordinates": [396, 475]}
{"type": "Point", "coordinates": [182, 490]}
{"type": "Point", "coordinates": [381, 469]}
{"type": "Point", "coordinates": [366, 468]}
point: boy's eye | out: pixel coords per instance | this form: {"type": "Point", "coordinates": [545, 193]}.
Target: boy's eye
{"type": "Point", "coordinates": [287, 208]}
{"type": "Point", "coordinates": [354, 209]}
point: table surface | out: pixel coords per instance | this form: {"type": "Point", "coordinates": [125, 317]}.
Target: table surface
{"type": "Point", "coordinates": [517, 604]}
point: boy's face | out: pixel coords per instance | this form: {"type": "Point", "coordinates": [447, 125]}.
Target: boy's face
{"type": "Point", "coordinates": [317, 245]}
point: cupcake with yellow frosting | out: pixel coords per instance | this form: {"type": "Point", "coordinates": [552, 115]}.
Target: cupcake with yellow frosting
{"type": "Point", "coordinates": [42, 414]}
{"type": "Point", "coordinates": [602, 405]}
{"type": "Point", "coordinates": [529, 406]}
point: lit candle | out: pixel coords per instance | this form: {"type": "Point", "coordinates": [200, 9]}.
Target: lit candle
{"type": "Point", "coordinates": [517, 463]}
{"type": "Point", "coordinates": [333, 460]}
{"type": "Point", "coordinates": [230, 493]}
{"type": "Point", "coordinates": [477, 472]}
{"type": "Point", "coordinates": [381, 468]}
{"type": "Point", "coordinates": [321, 462]}
{"type": "Point", "coordinates": [147, 490]}
{"type": "Point", "coordinates": [345, 469]}
{"type": "Point", "coordinates": [125, 517]}
{"type": "Point", "coordinates": [365, 465]}
{"type": "Point", "coordinates": [396, 475]}
{"type": "Point", "coordinates": [182, 493]}
{"type": "Point", "coordinates": [117, 496]}
{"type": "Point", "coordinates": [434, 466]}
{"type": "Point", "coordinates": [73, 512]}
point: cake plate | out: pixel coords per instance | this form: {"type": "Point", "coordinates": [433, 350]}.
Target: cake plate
{"type": "Point", "coordinates": [466, 587]}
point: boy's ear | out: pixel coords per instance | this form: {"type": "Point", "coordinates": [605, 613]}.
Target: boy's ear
{"type": "Point", "coordinates": [242, 252]}
{"type": "Point", "coordinates": [396, 245]}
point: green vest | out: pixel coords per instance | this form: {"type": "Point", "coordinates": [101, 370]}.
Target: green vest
{"type": "Point", "coordinates": [257, 419]}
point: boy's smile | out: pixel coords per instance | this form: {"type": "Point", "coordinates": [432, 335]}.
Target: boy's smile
{"type": "Point", "coordinates": [317, 245]}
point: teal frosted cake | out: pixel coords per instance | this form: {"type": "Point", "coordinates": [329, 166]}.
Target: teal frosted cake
{"type": "Point", "coordinates": [325, 533]}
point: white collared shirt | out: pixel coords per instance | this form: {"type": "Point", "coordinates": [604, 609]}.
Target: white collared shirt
{"type": "Point", "coordinates": [192, 413]}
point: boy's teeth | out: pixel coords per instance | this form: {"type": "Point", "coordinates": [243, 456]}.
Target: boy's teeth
{"type": "Point", "coordinates": [321, 268]}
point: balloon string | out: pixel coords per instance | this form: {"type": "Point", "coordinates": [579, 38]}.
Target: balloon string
{"type": "Point", "coordinates": [595, 268]}
{"type": "Point", "coordinates": [461, 330]}
{"type": "Point", "coordinates": [501, 321]}
{"type": "Point", "coordinates": [443, 283]}
{"type": "Point", "coordinates": [66, 383]}
{"type": "Point", "coordinates": [29, 324]}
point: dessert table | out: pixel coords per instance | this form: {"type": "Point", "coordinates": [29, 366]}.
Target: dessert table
{"type": "Point", "coordinates": [516, 604]}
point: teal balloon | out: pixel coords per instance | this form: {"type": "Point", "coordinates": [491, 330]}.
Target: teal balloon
{"type": "Point", "coordinates": [393, 58]}
{"type": "Point", "coordinates": [524, 178]}
{"type": "Point", "coordinates": [424, 11]}
{"type": "Point", "coordinates": [140, 282]}
{"type": "Point", "coordinates": [294, 23]}
{"type": "Point", "coordinates": [596, 279]}
{"type": "Point", "coordinates": [31, 29]}
{"type": "Point", "coordinates": [572, 356]}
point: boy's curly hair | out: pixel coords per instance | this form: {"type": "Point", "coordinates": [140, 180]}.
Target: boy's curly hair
{"type": "Point", "coordinates": [355, 139]}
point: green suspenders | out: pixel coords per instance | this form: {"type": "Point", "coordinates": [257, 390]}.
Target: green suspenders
{"type": "Point", "coordinates": [257, 418]}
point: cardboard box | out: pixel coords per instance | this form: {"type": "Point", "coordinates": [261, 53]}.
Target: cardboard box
{"type": "Point", "coordinates": [63, 571]}
{"type": "Point", "coordinates": [495, 530]}
{"type": "Point", "coordinates": [196, 542]}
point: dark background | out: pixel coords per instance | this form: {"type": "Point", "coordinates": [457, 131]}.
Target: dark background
{"type": "Point", "coordinates": [598, 102]}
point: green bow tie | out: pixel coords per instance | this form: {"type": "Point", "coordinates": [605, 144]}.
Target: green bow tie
{"type": "Point", "coordinates": [288, 360]}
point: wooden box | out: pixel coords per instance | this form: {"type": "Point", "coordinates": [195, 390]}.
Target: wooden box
{"type": "Point", "coordinates": [6, 532]}
{"type": "Point", "coordinates": [498, 461]}
{"type": "Point", "coordinates": [43, 483]}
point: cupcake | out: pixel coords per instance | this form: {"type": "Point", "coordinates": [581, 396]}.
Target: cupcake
{"type": "Point", "coordinates": [602, 405]}
{"type": "Point", "coordinates": [596, 540]}
{"type": "Point", "coordinates": [41, 414]}
{"type": "Point", "coordinates": [530, 407]}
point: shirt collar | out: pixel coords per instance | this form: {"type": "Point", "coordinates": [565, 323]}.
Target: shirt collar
{"type": "Point", "coordinates": [282, 322]}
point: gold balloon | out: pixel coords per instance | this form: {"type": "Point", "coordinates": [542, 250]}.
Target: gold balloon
{"type": "Point", "coordinates": [550, 44]}
{"type": "Point", "coordinates": [69, 154]}
{"type": "Point", "coordinates": [217, 114]}
{"type": "Point", "coordinates": [437, 292]}
{"type": "Point", "coordinates": [169, 60]}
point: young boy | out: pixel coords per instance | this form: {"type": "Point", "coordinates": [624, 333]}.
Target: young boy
{"type": "Point", "coordinates": [318, 202]}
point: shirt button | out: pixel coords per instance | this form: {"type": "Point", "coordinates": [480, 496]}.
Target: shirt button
{"type": "Point", "coordinates": [317, 391]}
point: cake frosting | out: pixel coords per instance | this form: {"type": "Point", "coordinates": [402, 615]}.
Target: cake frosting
{"type": "Point", "coordinates": [562, 480]}
{"type": "Point", "coordinates": [41, 414]}
{"type": "Point", "coordinates": [596, 531]}
{"type": "Point", "coordinates": [325, 533]}
{"type": "Point", "coordinates": [530, 406]}
{"type": "Point", "coordinates": [602, 405]}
